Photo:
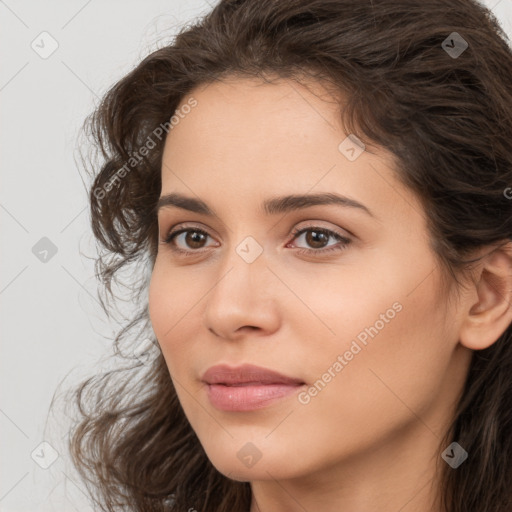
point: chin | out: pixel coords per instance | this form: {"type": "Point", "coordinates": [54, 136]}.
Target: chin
{"type": "Point", "coordinates": [263, 470]}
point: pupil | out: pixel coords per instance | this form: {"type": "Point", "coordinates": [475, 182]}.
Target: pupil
{"type": "Point", "coordinates": [312, 238]}
{"type": "Point", "coordinates": [193, 239]}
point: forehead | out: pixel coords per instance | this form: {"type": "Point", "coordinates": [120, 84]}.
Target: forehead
{"type": "Point", "coordinates": [281, 92]}
{"type": "Point", "coordinates": [247, 138]}
{"type": "Point", "coordinates": [256, 112]}
{"type": "Point", "coordinates": [254, 126]}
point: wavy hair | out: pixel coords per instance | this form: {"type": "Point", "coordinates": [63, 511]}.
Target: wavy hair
{"type": "Point", "coordinates": [448, 121]}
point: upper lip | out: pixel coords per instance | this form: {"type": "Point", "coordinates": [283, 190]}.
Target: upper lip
{"type": "Point", "coordinates": [246, 374]}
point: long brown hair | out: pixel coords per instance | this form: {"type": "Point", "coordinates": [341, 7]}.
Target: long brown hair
{"type": "Point", "coordinates": [447, 118]}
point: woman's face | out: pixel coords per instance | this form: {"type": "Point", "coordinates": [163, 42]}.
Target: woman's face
{"type": "Point", "coordinates": [353, 313]}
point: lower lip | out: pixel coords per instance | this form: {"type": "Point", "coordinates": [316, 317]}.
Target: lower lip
{"type": "Point", "coordinates": [247, 398]}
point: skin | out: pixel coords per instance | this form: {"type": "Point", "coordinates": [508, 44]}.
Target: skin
{"type": "Point", "coordinates": [370, 439]}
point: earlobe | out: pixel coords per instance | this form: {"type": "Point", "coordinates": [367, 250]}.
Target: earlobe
{"type": "Point", "coordinates": [490, 314]}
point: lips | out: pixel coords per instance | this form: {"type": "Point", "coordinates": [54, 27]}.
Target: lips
{"type": "Point", "coordinates": [245, 375]}
{"type": "Point", "coordinates": [247, 388]}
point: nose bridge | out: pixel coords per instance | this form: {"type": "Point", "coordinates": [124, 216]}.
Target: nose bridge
{"type": "Point", "coordinates": [239, 296]}
{"type": "Point", "coordinates": [243, 267]}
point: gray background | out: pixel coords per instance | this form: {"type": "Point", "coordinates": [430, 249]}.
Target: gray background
{"type": "Point", "coordinates": [52, 325]}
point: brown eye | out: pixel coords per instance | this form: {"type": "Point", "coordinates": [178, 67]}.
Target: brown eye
{"type": "Point", "coordinates": [195, 239]}
{"type": "Point", "coordinates": [317, 239]}
{"type": "Point", "coordinates": [190, 238]}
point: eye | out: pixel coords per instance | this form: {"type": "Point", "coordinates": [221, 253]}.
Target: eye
{"type": "Point", "coordinates": [194, 238]}
{"type": "Point", "coordinates": [316, 237]}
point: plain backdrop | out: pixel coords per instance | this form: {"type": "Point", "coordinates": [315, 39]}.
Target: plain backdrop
{"type": "Point", "coordinates": [57, 59]}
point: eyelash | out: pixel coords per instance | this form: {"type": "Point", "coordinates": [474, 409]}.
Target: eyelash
{"type": "Point", "coordinates": [296, 233]}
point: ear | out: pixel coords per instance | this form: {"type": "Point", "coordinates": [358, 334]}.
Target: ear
{"type": "Point", "coordinates": [490, 307]}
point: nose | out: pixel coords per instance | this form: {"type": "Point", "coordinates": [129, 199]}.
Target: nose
{"type": "Point", "coordinates": [243, 299]}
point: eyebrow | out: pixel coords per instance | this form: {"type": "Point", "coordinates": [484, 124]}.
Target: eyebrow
{"type": "Point", "coordinates": [271, 206]}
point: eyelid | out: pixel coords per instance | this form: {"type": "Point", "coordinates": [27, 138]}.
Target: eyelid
{"type": "Point", "coordinates": [342, 240]}
{"type": "Point", "coordinates": [185, 225]}
{"type": "Point", "coordinates": [315, 224]}
{"type": "Point", "coordinates": [177, 230]}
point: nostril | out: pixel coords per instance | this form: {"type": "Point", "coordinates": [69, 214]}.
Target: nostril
{"type": "Point", "coordinates": [248, 327]}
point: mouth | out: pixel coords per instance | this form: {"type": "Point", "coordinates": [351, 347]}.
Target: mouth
{"type": "Point", "coordinates": [247, 387]}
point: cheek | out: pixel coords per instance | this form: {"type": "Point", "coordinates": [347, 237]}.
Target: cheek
{"type": "Point", "coordinates": [392, 370]}
{"type": "Point", "coordinates": [163, 310]}
{"type": "Point", "coordinates": [157, 302]}
{"type": "Point", "coordinates": [172, 302]}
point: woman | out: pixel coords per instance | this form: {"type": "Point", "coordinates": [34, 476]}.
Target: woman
{"type": "Point", "coordinates": [320, 194]}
